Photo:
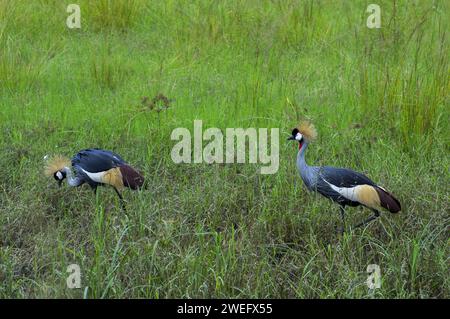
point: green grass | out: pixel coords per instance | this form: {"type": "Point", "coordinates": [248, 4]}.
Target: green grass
{"type": "Point", "coordinates": [378, 97]}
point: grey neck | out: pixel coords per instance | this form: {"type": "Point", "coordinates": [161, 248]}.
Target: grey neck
{"type": "Point", "coordinates": [71, 180]}
{"type": "Point", "coordinates": [307, 173]}
{"type": "Point", "coordinates": [301, 162]}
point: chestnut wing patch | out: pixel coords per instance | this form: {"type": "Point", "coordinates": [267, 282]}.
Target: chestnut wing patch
{"type": "Point", "coordinates": [130, 177]}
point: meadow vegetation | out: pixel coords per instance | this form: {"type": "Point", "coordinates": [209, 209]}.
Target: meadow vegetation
{"type": "Point", "coordinates": [378, 97]}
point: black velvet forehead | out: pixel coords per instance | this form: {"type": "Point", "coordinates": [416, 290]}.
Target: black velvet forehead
{"type": "Point", "coordinates": [295, 131]}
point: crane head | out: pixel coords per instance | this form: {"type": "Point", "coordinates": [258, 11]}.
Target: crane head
{"type": "Point", "coordinates": [59, 176]}
{"type": "Point", "coordinates": [296, 136]}
{"type": "Point", "coordinates": [305, 132]}
{"type": "Point", "coordinates": [55, 166]}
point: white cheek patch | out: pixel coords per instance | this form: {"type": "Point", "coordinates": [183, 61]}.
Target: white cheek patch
{"type": "Point", "coordinates": [298, 137]}
{"type": "Point", "coordinates": [59, 175]}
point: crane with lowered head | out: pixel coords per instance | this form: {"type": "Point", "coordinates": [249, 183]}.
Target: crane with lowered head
{"type": "Point", "coordinates": [95, 167]}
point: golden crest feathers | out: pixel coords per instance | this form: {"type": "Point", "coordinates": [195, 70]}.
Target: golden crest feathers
{"type": "Point", "coordinates": [56, 163]}
{"type": "Point", "coordinates": [308, 130]}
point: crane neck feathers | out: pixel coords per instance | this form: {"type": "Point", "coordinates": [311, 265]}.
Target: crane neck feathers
{"type": "Point", "coordinates": [71, 180]}
{"type": "Point", "coordinates": [301, 162]}
{"type": "Point", "coordinates": [307, 173]}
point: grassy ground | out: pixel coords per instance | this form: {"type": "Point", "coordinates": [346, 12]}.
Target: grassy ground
{"type": "Point", "coordinates": [379, 99]}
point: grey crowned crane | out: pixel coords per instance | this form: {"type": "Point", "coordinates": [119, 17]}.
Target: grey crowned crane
{"type": "Point", "coordinates": [95, 167]}
{"type": "Point", "coordinates": [341, 185]}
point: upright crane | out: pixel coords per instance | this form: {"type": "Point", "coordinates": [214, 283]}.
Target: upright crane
{"type": "Point", "coordinates": [341, 185]}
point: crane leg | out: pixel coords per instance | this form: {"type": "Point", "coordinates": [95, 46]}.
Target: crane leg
{"type": "Point", "coordinates": [375, 215]}
{"type": "Point", "coordinates": [122, 202]}
{"type": "Point", "coordinates": [342, 213]}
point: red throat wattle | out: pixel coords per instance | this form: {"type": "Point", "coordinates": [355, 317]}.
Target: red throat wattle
{"type": "Point", "coordinates": [300, 144]}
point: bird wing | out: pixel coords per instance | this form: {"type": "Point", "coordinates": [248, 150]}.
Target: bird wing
{"type": "Point", "coordinates": [97, 160]}
{"type": "Point", "coordinates": [343, 177]}
{"type": "Point", "coordinates": [323, 188]}
{"type": "Point", "coordinates": [331, 180]}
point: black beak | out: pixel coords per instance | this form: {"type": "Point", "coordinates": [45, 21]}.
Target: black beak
{"type": "Point", "coordinates": [291, 138]}
{"type": "Point", "coordinates": [59, 183]}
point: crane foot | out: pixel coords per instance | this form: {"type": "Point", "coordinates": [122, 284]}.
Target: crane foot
{"type": "Point", "coordinates": [340, 230]}
{"type": "Point", "coordinates": [375, 215]}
